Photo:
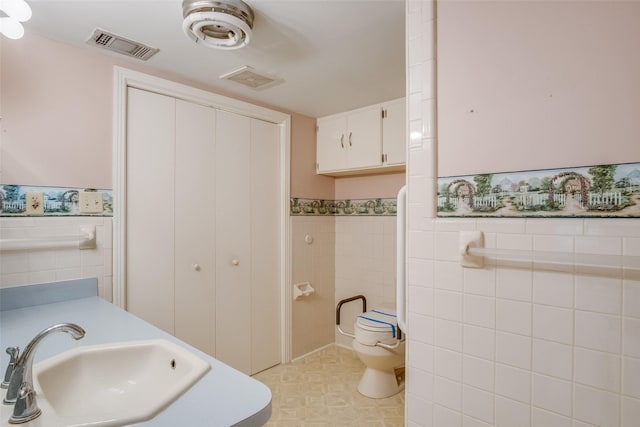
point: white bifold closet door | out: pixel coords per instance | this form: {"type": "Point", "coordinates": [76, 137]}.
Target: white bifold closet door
{"type": "Point", "coordinates": [194, 226]}
{"type": "Point", "coordinates": [247, 244]}
{"type": "Point", "coordinates": [203, 227]}
{"type": "Point", "coordinates": [150, 186]}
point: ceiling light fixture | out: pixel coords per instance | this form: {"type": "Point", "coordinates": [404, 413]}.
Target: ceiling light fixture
{"type": "Point", "coordinates": [224, 24]}
{"type": "Point", "coordinates": [15, 12]}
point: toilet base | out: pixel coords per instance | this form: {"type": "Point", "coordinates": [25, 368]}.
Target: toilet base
{"type": "Point", "coordinates": [378, 384]}
{"type": "Point", "coordinates": [384, 370]}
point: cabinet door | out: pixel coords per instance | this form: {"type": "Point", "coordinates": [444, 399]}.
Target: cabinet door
{"type": "Point", "coordinates": [195, 226]}
{"type": "Point", "coordinates": [394, 139]}
{"type": "Point", "coordinates": [331, 144]}
{"type": "Point", "coordinates": [150, 206]}
{"type": "Point", "coordinates": [364, 138]}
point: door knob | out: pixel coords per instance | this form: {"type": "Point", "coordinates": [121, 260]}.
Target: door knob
{"type": "Point", "coordinates": [235, 261]}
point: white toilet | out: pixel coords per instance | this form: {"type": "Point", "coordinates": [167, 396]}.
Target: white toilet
{"type": "Point", "coordinates": [380, 346]}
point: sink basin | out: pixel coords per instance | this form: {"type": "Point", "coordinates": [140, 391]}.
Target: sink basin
{"type": "Point", "coordinates": [114, 384]}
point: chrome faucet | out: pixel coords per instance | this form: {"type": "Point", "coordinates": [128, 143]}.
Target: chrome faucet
{"type": "Point", "coordinates": [13, 353]}
{"type": "Point", "coordinates": [20, 390]}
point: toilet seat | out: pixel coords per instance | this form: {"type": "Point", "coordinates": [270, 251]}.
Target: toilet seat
{"type": "Point", "coordinates": [377, 325]}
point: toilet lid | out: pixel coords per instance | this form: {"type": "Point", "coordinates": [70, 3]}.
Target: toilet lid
{"type": "Point", "coordinates": [378, 321]}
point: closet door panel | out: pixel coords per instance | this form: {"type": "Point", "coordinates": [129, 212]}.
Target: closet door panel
{"type": "Point", "coordinates": [233, 261]}
{"type": "Point", "coordinates": [265, 245]}
{"type": "Point", "coordinates": [149, 216]}
{"type": "Point", "coordinates": [195, 225]}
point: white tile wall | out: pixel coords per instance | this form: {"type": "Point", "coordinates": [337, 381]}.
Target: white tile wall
{"type": "Point", "coordinates": [551, 358]}
{"type": "Point", "coordinates": [26, 267]}
{"type": "Point", "coordinates": [513, 383]}
{"type": "Point", "coordinates": [313, 317]}
{"type": "Point", "coordinates": [512, 345]}
{"type": "Point", "coordinates": [630, 412]}
{"type": "Point", "coordinates": [365, 263]}
{"type": "Point", "coordinates": [479, 342]}
{"type": "Point", "coordinates": [510, 413]}
{"type": "Point", "coordinates": [513, 350]}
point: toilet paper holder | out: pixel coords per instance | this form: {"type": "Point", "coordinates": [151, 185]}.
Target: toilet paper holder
{"type": "Point", "coordinates": [302, 289]}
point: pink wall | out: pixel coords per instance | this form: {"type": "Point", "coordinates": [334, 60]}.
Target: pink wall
{"type": "Point", "coordinates": [554, 85]}
{"type": "Point", "coordinates": [305, 183]}
{"type": "Point", "coordinates": [56, 108]}
{"type": "Point", "coordinates": [370, 186]}
{"type": "Point", "coordinates": [56, 114]}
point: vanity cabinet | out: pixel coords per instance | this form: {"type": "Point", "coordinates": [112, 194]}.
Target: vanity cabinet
{"type": "Point", "coordinates": [366, 140]}
{"type": "Point", "coordinates": [203, 224]}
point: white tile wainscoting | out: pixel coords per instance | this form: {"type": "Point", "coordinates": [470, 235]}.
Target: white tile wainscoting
{"type": "Point", "coordinates": [349, 255]}
{"type": "Point", "coordinates": [523, 344]}
{"type": "Point", "coordinates": [313, 261]}
{"type": "Point", "coordinates": [365, 263]}
{"type": "Point", "coordinates": [24, 267]}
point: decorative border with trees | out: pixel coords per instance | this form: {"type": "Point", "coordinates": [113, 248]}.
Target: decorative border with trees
{"type": "Point", "coordinates": [590, 191]}
{"type": "Point", "coordinates": [58, 201]}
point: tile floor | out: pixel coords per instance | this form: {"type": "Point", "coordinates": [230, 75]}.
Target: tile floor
{"type": "Point", "coordinates": [321, 390]}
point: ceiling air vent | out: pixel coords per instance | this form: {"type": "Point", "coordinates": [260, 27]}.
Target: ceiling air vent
{"type": "Point", "coordinates": [249, 77]}
{"type": "Point", "coordinates": [119, 44]}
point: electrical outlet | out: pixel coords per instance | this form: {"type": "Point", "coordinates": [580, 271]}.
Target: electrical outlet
{"type": "Point", "coordinates": [90, 202]}
{"type": "Point", "coordinates": [34, 203]}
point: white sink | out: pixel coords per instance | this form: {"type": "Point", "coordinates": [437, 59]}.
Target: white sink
{"type": "Point", "coordinates": [114, 384]}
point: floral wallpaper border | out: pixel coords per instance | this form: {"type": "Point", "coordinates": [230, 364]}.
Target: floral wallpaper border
{"type": "Point", "coordinates": [58, 201]}
{"type": "Point", "coordinates": [346, 207]}
{"type": "Point", "coordinates": [589, 191]}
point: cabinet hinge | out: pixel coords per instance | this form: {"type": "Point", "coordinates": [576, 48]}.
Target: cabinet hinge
{"type": "Point", "coordinates": [382, 158]}
{"type": "Point", "coordinates": [384, 113]}
{"type": "Point", "coordinates": [317, 128]}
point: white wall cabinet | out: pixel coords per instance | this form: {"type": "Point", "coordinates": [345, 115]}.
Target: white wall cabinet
{"type": "Point", "coordinates": [203, 227]}
{"type": "Point", "coordinates": [366, 140]}
{"type": "Point", "coordinates": [394, 133]}
{"type": "Point", "coordinates": [348, 141]}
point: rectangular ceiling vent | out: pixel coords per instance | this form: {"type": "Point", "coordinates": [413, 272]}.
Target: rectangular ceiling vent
{"type": "Point", "coordinates": [249, 77]}
{"type": "Point", "coordinates": [119, 44]}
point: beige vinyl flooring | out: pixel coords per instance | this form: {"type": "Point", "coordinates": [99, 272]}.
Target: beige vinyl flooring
{"type": "Point", "coordinates": [321, 390]}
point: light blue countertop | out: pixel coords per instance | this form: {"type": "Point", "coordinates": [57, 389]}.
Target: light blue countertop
{"type": "Point", "coordinates": [223, 397]}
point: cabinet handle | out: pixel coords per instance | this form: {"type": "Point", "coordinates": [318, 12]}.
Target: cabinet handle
{"type": "Point", "coordinates": [342, 140]}
{"type": "Point", "coordinates": [196, 267]}
{"type": "Point", "coordinates": [349, 139]}
{"type": "Point", "coordinates": [235, 261]}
